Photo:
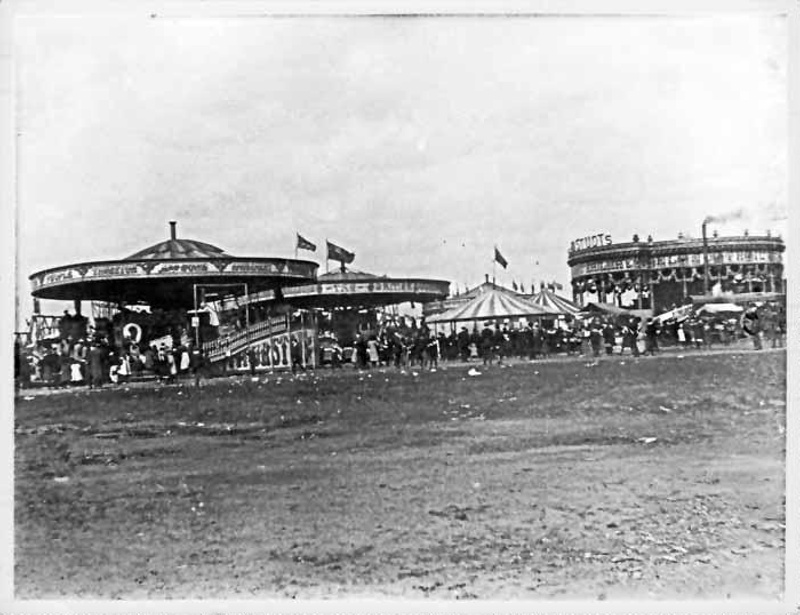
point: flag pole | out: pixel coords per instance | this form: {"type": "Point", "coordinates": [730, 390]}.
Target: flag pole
{"type": "Point", "coordinates": [327, 270]}
{"type": "Point", "coordinates": [296, 242]}
{"type": "Point", "coordinates": [494, 267]}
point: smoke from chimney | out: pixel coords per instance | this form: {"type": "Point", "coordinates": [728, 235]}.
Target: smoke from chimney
{"type": "Point", "coordinates": [737, 214]}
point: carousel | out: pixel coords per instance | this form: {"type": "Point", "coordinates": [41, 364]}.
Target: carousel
{"type": "Point", "coordinates": [302, 324]}
{"type": "Point", "coordinates": [168, 275]}
{"type": "Point", "coordinates": [156, 299]}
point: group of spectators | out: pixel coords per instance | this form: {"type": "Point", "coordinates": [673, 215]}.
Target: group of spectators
{"type": "Point", "coordinates": [86, 356]}
{"type": "Point", "coordinates": [83, 356]}
{"type": "Point", "coordinates": [594, 335]}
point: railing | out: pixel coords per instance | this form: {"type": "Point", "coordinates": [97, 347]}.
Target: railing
{"type": "Point", "coordinates": [238, 341]}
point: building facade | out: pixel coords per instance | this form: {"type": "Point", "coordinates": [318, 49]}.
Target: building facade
{"type": "Point", "coordinates": [659, 274]}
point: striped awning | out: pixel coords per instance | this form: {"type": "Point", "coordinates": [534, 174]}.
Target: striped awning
{"type": "Point", "coordinates": [492, 304]}
{"type": "Point", "coordinates": [551, 301]}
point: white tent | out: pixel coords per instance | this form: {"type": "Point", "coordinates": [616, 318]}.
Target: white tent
{"type": "Point", "coordinates": [491, 305]}
{"type": "Point", "coordinates": [679, 313]}
{"type": "Point", "coordinates": [720, 308]}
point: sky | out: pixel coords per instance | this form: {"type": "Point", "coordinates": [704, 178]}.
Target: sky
{"type": "Point", "coordinates": [418, 143]}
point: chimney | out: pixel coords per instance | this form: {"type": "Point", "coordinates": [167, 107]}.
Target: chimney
{"type": "Point", "coordinates": [173, 234]}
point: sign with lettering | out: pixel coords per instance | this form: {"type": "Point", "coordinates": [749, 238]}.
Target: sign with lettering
{"type": "Point", "coordinates": [675, 260]}
{"type": "Point", "coordinates": [591, 241]}
{"type": "Point", "coordinates": [252, 268]}
{"type": "Point", "coordinates": [112, 271]}
{"type": "Point", "coordinates": [183, 268]}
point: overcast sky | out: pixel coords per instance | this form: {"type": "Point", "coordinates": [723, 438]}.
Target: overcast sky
{"type": "Point", "coordinates": [417, 143]}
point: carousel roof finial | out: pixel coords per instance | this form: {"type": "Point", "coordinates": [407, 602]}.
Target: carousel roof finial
{"type": "Point", "coordinates": [173, 233]}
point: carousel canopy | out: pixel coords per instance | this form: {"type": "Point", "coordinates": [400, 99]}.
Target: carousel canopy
{"type": "Point", "coordinates": [492, 304]}
{"type": "Point", "coordinates": [546, 298]}
{"type": "Point", "coordinates": [167, 274]}
{"type": "Point", "coordinates": [354, 289]}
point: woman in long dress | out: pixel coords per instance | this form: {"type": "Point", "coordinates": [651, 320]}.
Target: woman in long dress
{"type": "Point", "coordinates": [372, 351]}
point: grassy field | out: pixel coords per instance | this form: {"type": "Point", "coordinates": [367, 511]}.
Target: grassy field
{"type": "Point", "coordinates": [659, 477]}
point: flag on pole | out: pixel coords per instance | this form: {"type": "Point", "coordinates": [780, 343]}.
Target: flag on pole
{"type": "Point", "coordinates": [499, 258]}
{"type": "Point", "coordinates": [521, 288]}
{"type": "Point", "coordinates": [305, 244]}
{"type": "Point", "coordinates": [337, 253]}
{"type": "Point", "coordinates": [514, 285]}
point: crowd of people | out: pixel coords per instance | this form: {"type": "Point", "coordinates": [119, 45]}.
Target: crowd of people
{"type": "Point", "coordinates": [86, 356]}
{"type": "Point", "coordinates": [591, 336]}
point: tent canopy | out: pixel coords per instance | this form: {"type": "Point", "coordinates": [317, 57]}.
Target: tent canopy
{"type": "Point", "coordinates": [721, 308]}
{"type": "Point", "coordinates": [547, 299]}
{"type": "Point", "coordinates": [613, 310]}
{"type": "Point", "coordinates": [493, 304]}
{"type": "Point", "coordinates": [737, 298]}
{"type": "Point", "coordinates": [679, 313]}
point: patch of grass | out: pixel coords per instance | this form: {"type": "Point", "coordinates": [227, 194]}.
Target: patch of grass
{"type": "Point", "coordinates": [324, 484]}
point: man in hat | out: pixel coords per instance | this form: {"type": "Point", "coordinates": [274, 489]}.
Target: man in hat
{"type": "Point", "coordinates": [463, 344]}
{"type": "Point", "coordinates": [651, 337]}
{"type": "Point", "coordinates": [487, 344]}
{"type": "Point", "coordinates": [609, 337]}
{"type": "Point", "coordinates": [630, 334]}
{"type": "Point", "coordinates": [596, 336]}
{"type": "Point", "coordinates": [752, 326]}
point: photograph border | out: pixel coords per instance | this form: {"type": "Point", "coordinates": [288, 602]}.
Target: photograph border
{"type": "Point", "coordinates": [11, 12]}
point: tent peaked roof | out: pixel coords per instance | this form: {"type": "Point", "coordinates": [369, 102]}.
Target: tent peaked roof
{"type": "Point", "coordinates": [484, 287]}
{"type": "Point", "coordinates": [546, 298]}
{"type": "Point", "coordinates": [491, 304]}
{"type": "Point", "coordinates": [178, 249]}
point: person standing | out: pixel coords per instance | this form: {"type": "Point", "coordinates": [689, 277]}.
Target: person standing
{"type": "Point", "coordinates": [651, 337]}
{"type": "Point", "coordinates": [432, 350]}
{"type": "Point", "coordinates": [361, 352]}
{"type": "Point", "coordinates": [630, 333]}
{"type": "Point", "coordinates": [96, 366]}
{"type": "Point", "coordinates": [463, 344]}
{"type": "Point", "coordinates": [609, 337]}
{"type": "Point", "coordinates": [64, 363]}
{"type": "Point", "coordinates": [297, 355]}
{"type": "Point", "coordinates": [596, 338]}
{"type": "Point", "coordinates": [197, 364]}
{"type": "Point", "coordinates": [487, 344]}
{"type": "Point", "coordinates": [537, 340]}
{"type": "Point", "coordinates": [372, 351]}
{"type": "Point", "coordinates": [752, 326]}
{"type": "Point", "coordinates": [688, 326]}
{"type": "Point", "coordinates": [698, 332]}
{"type": "Point", "coordinates": [251, 360]}
{"type": "Point", "coordinates": [500, 343]}
{"type": "Point", "coordinates": [681, 335]}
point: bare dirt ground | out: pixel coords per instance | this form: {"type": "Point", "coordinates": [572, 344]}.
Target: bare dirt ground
{"type": "Point", "coordinates": [619, 478]}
